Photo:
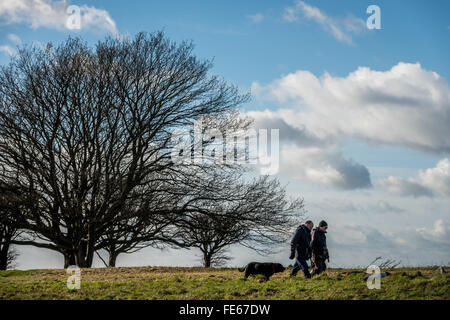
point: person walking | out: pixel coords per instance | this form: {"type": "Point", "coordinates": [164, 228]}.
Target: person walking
{"type": "Point", "coordinates": [319, 248]}
{"type": "Point", "coordinates": [301, 248]}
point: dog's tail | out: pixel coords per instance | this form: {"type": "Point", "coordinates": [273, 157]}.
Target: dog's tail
{"type": "Point", "coordinates": [241, 269]}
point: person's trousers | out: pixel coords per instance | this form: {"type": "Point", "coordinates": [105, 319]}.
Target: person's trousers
{"type": "Point", "coordinates": [319, 266]}
{"type": "Point", "coordinates": [300, 264]}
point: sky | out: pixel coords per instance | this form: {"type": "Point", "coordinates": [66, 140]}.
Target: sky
{"type": "Point", "coordinates": [363, 114]}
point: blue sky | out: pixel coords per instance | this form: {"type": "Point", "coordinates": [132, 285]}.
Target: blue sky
{"type": "Point", "coordinates": [245, 51]}
{"type": "Point", "coordinates": [257, 45]}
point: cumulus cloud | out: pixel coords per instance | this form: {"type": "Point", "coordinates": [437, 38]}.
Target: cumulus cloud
{"type": "Point", "coordinates": [436, 237]}
{"type": "Point", "coordinates": [341, 28]}
{"type": "Point", "coordinates": [324, 166]}
{"type": "Point", "coordinates": [405, 106]}
{"type": "Point", "coordinates": [438, 178]}
{"type": "Point", "coordinates": [53, 14]}
{"type": "Point", "coordinates": [289, 130]}
{"type": "Point", "coordinates": [309, 156]}
{"type": "Point", "coordinates": [439, 232]}
{"type": "Point", "coordinates": [256, 18]}
{"type": "Point", "coordinates": [433, 181]}
{"type": "Point", "coordinates": [405, 187]}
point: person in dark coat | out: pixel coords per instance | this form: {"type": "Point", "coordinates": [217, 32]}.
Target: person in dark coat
{"type": "Point", "coordinates": [319, 248]}
{"type": "Point", "coordinates": [301, 248]}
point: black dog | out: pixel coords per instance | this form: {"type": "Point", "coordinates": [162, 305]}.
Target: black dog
{"type": "Point", "coordinates": [265, 268]}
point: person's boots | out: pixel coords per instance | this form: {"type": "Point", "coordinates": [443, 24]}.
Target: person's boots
{"type": "Point", "coordinates": [307, 274]}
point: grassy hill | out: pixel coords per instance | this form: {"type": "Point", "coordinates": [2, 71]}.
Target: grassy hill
{"type": "Point", "coordinates": [201, 283]}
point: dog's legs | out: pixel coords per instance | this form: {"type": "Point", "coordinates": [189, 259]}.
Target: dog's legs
{"type": "Point", "coordinates": [247, 273]}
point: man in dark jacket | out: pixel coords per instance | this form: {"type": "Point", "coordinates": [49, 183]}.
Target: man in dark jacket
{"type": "Point", "coordinates": [319, 248]}
{"type": "Point", "coordinates": [301, 248]}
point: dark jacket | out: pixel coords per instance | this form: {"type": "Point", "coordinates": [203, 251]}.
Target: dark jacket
{"type": "Point", "coordinates": [301, 243]}
{"type": "Point", "coordinates": [319, 244]}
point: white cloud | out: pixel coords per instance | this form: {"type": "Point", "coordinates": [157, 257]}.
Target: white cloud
{"type": "Point", "coordinates": [52, 14]}
{"type": "Point", "coordinates": [405, 106]}
{"type": "Point", "coordinates": [256, 18]}
{"type": "Point", "coordinates": [323, 166]}
{"type": "Point", "coordinates": [311, 158]}
{"type": "Point", "coordinates": [437, 178]}
{"type": "Point", "coordinates": [429, 182]}
{"type": "Point", "coordinates": [7, 49]}
{"type": "Point", "coordinates": [341, 28]}
{"type": "Point", "coordinates": [439, 232]}
{"type": "Point", "coordinates": [404, 187]}
{"type": "Point", "coordinates": [289, 128]}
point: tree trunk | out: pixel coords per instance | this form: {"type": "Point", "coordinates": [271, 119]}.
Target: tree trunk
{"type": "Point", "coordinates": [85, 256]}
{"type": "Point", "coordinates": [4, 256]}
{"type": "Point", "coordinates": [206, 259]}
{"type": "Point", "coordinates": [69, 260]}
{"type": "Point", "coordinates": [112, 259]}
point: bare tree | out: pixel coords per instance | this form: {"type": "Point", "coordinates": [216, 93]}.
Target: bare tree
{"type": "Point", "coordinates": [173, 193]}
{"type": "Point", "coordinates": [256, 214]}
{"type": "Point", "coordinates": [151, 225]}
{"type": "Point", "coordinates": [84, 130]}
{"type": "Point", "coordinates": [208, 205]}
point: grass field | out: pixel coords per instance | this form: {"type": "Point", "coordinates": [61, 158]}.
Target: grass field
{"type": "Point", "coordinates": [200, 283]}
